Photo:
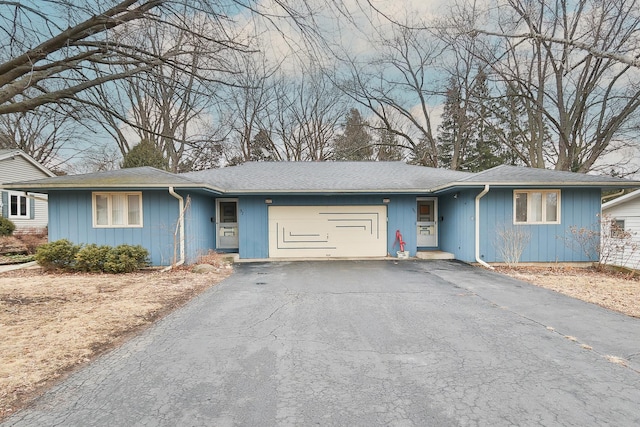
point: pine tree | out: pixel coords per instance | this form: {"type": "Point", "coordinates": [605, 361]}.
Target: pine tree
{"type": "Point", "coordinates": [484, 148]}
{"type": "Point", "coordinates": [452, 132]}
{"type": "Point", "coordinates": [354, 144]}
{"type": "Point", "coordinates": [262, 148]}
{"type": "Point", "coordinates": [146, 153]}
{"type": "Point", "coordinates": [387, 146]}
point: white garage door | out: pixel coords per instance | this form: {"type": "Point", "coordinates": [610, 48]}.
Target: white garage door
{"type": "Point", "coordinates": [327, 231]}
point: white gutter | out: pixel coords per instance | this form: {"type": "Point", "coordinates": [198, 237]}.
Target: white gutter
{"type": "Point", "coordinates": [180, 225]}
{"type": "Point", "coordinates": [478, 197]}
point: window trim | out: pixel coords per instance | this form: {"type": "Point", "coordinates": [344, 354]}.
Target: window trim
{"type": "Point", "coordinates": [615, 230]}
{"type": "Point", "coordinates": [544, 192]}
{"type": "Point", "coordinates": [110, 194]}
{"type": "Point", "coordinates": [18, 194]}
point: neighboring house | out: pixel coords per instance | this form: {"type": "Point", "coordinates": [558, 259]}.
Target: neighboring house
{"type": "Point", "coordinates": [28, 211]}
{"type": "Point", "coordinates": [625, 213]}
{"type": "Point", "coordinates": [326, 210]}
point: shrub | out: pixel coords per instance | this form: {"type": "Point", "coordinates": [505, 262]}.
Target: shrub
{"type": "Point", "coordinates": [92, 258]}
{"type": "Point", "coordinates": [7, 227]}
{"type": "Point", "coordinates": [60, 254]}
{"type": "Point", "coordinates": [510, 242]}
{"type": "Point", "coordinates": [126, 259]}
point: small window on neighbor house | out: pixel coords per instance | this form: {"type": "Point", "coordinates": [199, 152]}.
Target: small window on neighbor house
{"type": "Point", "coordinates": [117, 209]}
{"type": "Point", "coordinates": [536, 206]}
{"type": "Point", "coordinates": [617, 228]}
{"type": "Point", "coordinates": [18, 206]}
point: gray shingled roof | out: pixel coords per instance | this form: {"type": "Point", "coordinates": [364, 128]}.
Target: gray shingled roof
{"type": "Point", "coordinates": [325, 177]}
{"type": "Point", "coordinates": [322, 177]}
{"type": "Point", "coordinates": [145, 177]}
{"type": "Point", "coordinates": [516, 175]}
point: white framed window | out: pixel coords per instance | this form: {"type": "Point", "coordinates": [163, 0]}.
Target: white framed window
{"type": "Point", "coordinates": [616, 229]}
{"type": "Point", "coordinates": [117, 209]}
{"type": "Point", "coordinates": [19, 205]}
{"type": "Point", "coordinates": [536, 206]}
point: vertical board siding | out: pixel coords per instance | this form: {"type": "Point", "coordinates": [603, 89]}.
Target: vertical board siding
{"type": "Point", "coordinates": [457, 224]}
{"type": "Point", "coordinates": [547, 242]}
{"type": "Point", "coordinates": [70, 217]}
{"type": "Point", "coordinates": [254, 225]}
{"type": "Point", "coordinates": [629, 211]}
{"type": "Point", "coordinates": [200, 227]}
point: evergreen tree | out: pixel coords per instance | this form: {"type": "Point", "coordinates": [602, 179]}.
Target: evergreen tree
{"type": "Point", "coordinates": [262, 148]}
{"type": "Point", "coordinates": [354, 144]}
{"type": "Point", "coordinates": [452, 137]}
{"type": "Point", "coordinates": [387, 146]}
{"type": "Point", "coordinates": [485, 149]}
{"type": "Point", "coordinates": [146, 153]}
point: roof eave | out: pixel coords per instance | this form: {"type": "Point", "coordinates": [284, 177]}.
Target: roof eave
{"type": "Point", "coordinates": [29, 159]}
{"type": "Point", "coordinates": [521, 184]}
{"type": "Point", "coordinates": [45, 188]}
{"type": "Point", "coordinates": [621, 200]}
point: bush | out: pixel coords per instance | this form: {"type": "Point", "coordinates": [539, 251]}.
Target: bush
{"type": "Point", "coordinates": [60, 254]}
{"type": "Point", "coordinates": [92, 258]}
{"type": "Point", "coordinates": [64, 255]}
{"type": "Point", "coordinates": [7, 227]}
{"type": "Point", "coordinates": [126, 259]}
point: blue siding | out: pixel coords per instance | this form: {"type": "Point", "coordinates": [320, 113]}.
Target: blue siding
{"type": "Point", "coordinates": [548, 243]}
{"type": "Point", "coordinates": [70, 218]}
{"type": "Point", "coordinates": [254, 225]}
{"type": "Point", "coordinates": [456, 225]}
{"type": "Point", "coordinates": [200, 226]}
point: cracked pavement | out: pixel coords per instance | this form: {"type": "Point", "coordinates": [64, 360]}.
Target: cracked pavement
{"type": "Point", "coordinates": [363, 343]}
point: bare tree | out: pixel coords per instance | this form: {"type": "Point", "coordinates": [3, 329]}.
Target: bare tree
{"type": "Point", "coordinates": [58, 50]}
{"type": "Point", "coordinates": [246, 105]}
{"type": "Point", "coordinates": [558, 72]}
{"type": "Point", "coordinates": [400, 86]}
{"type": "Point", "coordinates": [42, 133]}
{"type": "Point", "coordinates": [307, 127]}
{"type": "Point", "coordinates": [166, 105]}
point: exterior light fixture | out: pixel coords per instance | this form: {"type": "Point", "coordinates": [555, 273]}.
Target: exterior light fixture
{"type": "Point", "coordinates": [268, 201]}
{"type": "Point", "coordinates": [386, 200]}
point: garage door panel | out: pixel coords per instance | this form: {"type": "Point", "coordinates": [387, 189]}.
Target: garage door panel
{"type": "Point", "coordinates": [327, 231]}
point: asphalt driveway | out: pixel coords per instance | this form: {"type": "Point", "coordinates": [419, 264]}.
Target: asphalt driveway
{"type": "Point", "coordinates": [363, 343]}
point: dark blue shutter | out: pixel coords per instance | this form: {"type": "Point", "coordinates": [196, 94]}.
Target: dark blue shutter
{"type": "Point", "coordinates": [5, 204]}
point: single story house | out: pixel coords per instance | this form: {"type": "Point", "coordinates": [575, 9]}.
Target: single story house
{"type": "Point", "coordinates": [27, 211]}
{"type": "Point", "coordinates": [623, 248]}
{"type": "Point", "coordinates": [326, 210]}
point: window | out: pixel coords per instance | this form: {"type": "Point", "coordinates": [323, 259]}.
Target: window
{"type": "Point", "coordinates": [536, 207]}
{"type": "Point", "coordinates": [18, 205]}
{"type": "Point", "coordinates": [617, 229]}
{"type": "Point", "coordinates": [117, 209]}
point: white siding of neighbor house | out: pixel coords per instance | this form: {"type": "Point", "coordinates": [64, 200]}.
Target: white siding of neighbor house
{"type": "Point", "coordinates": [16, 169]}
{"type": "Point", "coordinates": [628, 211]}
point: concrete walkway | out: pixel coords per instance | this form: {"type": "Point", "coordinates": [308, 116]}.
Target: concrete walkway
{"type": "Point", "coordinates": [363, 343]}
{"type": "Point", "coordinates": [11, 267]}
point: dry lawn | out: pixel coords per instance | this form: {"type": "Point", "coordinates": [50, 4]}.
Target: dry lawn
{"type": "Point", "coordinates": [51, 323]}
{"type": "Point", "coordinates": [613, 290]}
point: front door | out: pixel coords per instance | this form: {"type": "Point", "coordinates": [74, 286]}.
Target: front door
{"type": "Point", "coordinates": [427, 221]}
{"type": "Point", "coordinates": [227, 223]}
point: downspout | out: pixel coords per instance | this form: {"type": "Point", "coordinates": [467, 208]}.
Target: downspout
{"type": "Point", "coordinates": [179, 225]}
{"type": "Point", "coordinates": [34, 197]}
{"type": "Point", "coordinates": [608, 196]}
{"type": "Point", "coordinates": [478, 197]}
